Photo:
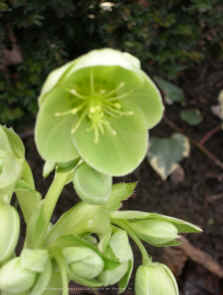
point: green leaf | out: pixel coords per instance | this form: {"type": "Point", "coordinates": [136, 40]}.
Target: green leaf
{"type": "Point", "coordinates": [165, 153]}
{"type": "Point", "coordinates": [171, 92]}
{"type": "Point", "coordinates": [92, 186]}
{"type": "Point", "coordinates": [192, 117]}
{"type": "Point", "coordinates": [120, 192]}
{"type": "Point", "coordinates": [82, 218]}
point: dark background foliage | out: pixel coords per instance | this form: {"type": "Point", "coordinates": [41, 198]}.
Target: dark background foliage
{"type": "Point", "coordinates": [36, 36]}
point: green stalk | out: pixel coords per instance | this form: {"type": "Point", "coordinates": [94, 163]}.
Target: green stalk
{"type": "Point", "coordinates": [53, 194]}
{"type": "Point", "coordinates": [42, 223]}
{"type": "Point", "coordinates": [146, 259]}
{"type": "Point", "coordinates": [63, 271]}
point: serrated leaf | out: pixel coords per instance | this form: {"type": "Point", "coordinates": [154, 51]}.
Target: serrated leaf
{"type": "Point", "coordinates": [192, 116]}
{"type": "Point", "coordinates": [165, 153]}
{"type": "Point", "coordinates": [171, 92]}
{"type": "Point", "coordinates": [120, 192]}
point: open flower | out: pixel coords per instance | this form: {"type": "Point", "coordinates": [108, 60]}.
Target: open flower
{"type": "Point", "coordinates": [98, 107]}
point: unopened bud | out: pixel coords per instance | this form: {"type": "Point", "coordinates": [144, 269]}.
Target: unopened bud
{"type": "Point", "coordinates": [14, 278]}
{"type": "Point", "coordinates": [155, 278]}
{"type": "Point", "coordinates": [155, 232]}
{"type": "Point", "coordinates": [84, 262]}
{"type": "Point", "coordinates": [9, 230]}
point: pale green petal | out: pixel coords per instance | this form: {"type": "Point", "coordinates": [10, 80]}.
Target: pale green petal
{"type": "Point", "coordinates": [106, 57]}
{"type": "Point", "coordinates": [118, 154]}
{"type": "Point", "coordinates": [52, 80]}
{"type": "Point", "coordinates": [92, 186]}
{"type": "Point", "coordinates": [52, 134]}
{"type": "Point", "coordinates": [149, 99]}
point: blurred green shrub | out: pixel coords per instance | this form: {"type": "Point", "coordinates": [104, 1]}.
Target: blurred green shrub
{"type": "Point", "coordinates": [167, 36]}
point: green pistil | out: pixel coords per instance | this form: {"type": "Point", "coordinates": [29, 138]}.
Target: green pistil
{"type": "Point", "coordinates": [98, 107]}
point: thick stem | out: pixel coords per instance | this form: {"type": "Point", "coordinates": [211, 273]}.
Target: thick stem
{"type": "Point", "coordinates": [53, 194]}
{"type": "Point", "coordinates": [146, 259]}
{"type": "Point", "coordinates": [63, 272]}
{"type": "Point", "coordinates": [47, 209]}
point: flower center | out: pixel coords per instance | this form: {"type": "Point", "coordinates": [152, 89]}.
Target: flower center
{"type": "Point", "coordinates": [99, 106]}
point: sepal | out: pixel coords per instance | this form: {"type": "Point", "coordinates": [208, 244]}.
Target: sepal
{"type": "Point", "coordinates": [155, 278]}
{"type": "Point", "coordinates": [83, 262]}
{"type": "Point", "coordinates": [15, 278]}
{"type": "Point", "coordinates": [92, 186]}
{"type": "Point", "coordinates": [181, 225]}
{"type": "Point", "coordinates": [155, 232]}
{"type": "Point", "coordinates": [9, 229]}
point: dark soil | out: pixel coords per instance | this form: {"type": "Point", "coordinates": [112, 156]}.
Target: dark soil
{"type": "Point", "coordinates": [191, 197]}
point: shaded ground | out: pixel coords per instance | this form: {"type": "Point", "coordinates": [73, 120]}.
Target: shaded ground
{"type": "Point", "coordinates": [193, 198]}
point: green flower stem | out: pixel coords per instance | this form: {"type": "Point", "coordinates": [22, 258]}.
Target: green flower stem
{"type": "Point", "coordinates": [146, 259]}
{"type": "Point", "coordinates": [49, 203]}
{"type": "Point", "coordinates": [63, 271]}
{"type": "Point", "coordinates": [53, 194]}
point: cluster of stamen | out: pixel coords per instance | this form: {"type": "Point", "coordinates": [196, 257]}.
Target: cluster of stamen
{"type": "Point", "coordinates": [98, 106]}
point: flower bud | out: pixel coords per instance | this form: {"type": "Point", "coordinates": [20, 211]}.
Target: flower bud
{"type": "Point", "coordinates": [9, 229]}
{"type": "Point", "coordinates": [11, 158]}
{"type": "Point", "coordinates": [84, 262]}
{"type": "Point", "coordinates": [14, 278]}
{"type": "Point", "coordinates": [156, 232]}
{"type": "Point", "coordinates": [154, 279]}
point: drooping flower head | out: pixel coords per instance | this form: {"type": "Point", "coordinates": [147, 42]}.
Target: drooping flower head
{"type": "Point", "coordinates": [98, 107]}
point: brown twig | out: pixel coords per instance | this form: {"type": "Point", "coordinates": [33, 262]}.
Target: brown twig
{"type": "Point", "coordinates": [201, 257]}
{"type": "Point", "coordinates": [195, 143]}
{"type": "Point", "coordinates": [209, 134]}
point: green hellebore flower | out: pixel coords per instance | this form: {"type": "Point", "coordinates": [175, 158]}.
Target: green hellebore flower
{"type": "Point", "coordinates": [9, 230]}
{"type": "Point", "coordinates": [119, 248]}
{"type": "Point", "coordinates": [30, 272]}
{"type": "Point", "coordinates": [15, 278]}
{"type": "Point", "coordinates": [155, 232]}
{"type": "Point", "coordinates": [11, 161]}
{"type": "Point", "coordinates": [83, 261]}
{"type": "Point", "coordinates": [98, 107]}
{"type": "Point", "coordinates": [154, 279]}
